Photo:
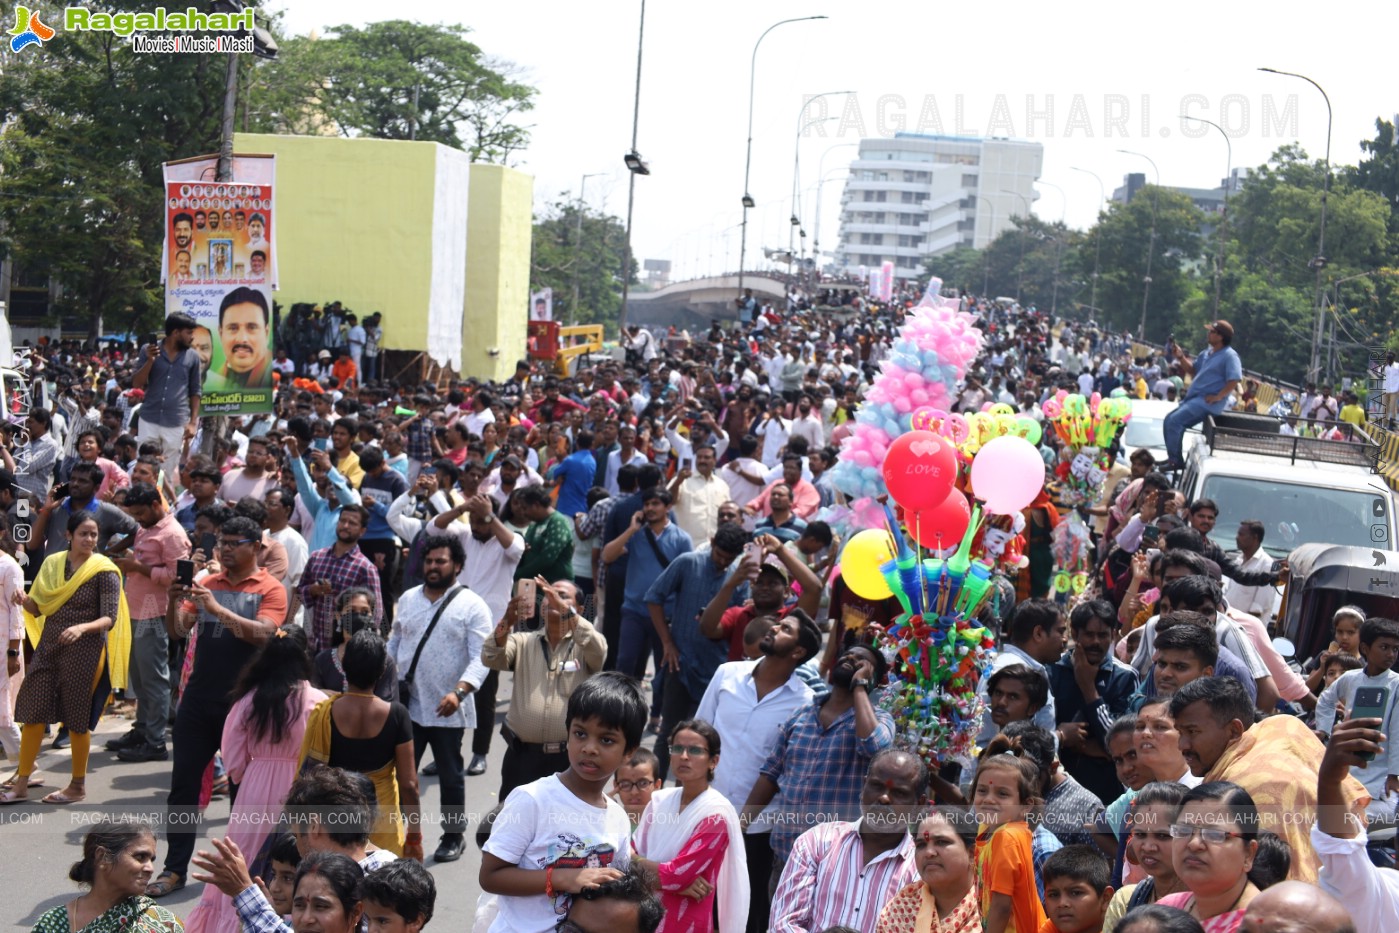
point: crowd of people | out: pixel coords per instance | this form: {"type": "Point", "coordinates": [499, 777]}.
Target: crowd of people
{"type": "Point", "coordinates": [296, 606]}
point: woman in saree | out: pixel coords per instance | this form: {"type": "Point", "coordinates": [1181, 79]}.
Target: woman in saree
{"type": "Point", "coordinates": [688, 840]}
{"type": "Point", "coordinates": [359, 731]}
{"type": "Point", "coordinates": [262, 739]}
{"type": "Point", "coordinates": [118, 861]}
{"type": "Point", "coordinates": [945, 899]}
{"type": "Point", "coordinates": [77, 620]}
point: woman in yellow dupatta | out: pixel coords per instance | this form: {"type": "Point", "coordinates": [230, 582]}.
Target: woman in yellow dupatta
{"type": "Point", "coordinates": [358, 731]}
{"type": "Point", "coordinates": [77, 620]}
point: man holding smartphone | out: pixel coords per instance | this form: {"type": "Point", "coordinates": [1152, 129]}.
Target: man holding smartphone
{"type": "Point", "coordinates": [149, 571]}
{"type": "Point", "coordinates": [80, 495]}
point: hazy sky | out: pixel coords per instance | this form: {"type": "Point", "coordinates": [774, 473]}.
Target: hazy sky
{"type": "Point", "coordinates": [1084, 79]}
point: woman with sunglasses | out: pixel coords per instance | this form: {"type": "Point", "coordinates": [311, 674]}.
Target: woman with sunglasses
{"type": "Point", "coordinates": [689, 842]}
{"type": "Point", "coordinates": [1214, 839]}
{"type": "Point", "coordinates": [1149, 845]}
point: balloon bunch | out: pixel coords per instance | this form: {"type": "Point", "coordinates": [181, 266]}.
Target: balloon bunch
{"type": "Point", "coordinates": [932, 352]}
{"type": "Point", "coordinates": [968, 433]}
{"type": "Point", "coordinates": [1070, 543]}
{"type": "Point", "coordinates": [1086, 428]}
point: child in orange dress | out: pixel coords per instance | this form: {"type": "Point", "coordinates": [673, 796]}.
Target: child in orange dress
{"type": "Point", "coordinates": [1005, 792]}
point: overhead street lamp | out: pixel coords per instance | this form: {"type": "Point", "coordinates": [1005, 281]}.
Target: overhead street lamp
{"type": "Point", "coordinates": [1151, 242]}
{"type": "Point", "coordinates": [635, 167]}
{"type": "Point", "coordinates": [1223, 230]}
{"type": "Point", "coordinates": [1020, 266]}
{"type": "Point", "coordinates": [796, 166]}
{"type": "Point", "coordinates": [748, 152]}
{"type": "Point", "coordinates": [1058, 243]}
{"type": "Point", "coordinates": [1319, 262]}
{"type": "Point", "coordinates": [1097, 234]}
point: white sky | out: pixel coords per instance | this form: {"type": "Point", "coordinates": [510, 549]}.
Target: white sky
{"type": "Point", "coordinates": [986, 58]}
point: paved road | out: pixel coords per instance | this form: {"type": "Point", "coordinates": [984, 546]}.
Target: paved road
{"type": "Point", "coordinates": [38, 843]}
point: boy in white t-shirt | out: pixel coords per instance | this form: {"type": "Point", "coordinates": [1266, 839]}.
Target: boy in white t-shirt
{"type": "Point", "coordinates": [562, 834]}
{"type": "Point", "coordinates": [1379, 646]}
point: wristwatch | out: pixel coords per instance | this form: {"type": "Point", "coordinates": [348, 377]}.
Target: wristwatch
{"type": "Point", "coordinates": [11, 652]}
{"type": "Point", "coordinates": [860, 684]}
{"type": "Point", "coordinates": [461, 693]}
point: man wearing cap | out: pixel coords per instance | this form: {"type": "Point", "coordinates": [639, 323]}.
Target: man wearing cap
{"type": "Point", "coordinates": [149, 571]}
{"type": "Point", "coordinates": [1217, 371]}
{"type": "Point", "coordinates": [770, 586]}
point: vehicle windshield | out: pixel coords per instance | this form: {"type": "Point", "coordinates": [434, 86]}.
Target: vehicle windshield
{"type": "Point", "coordinates": [1142, 432]}
{"type": "Point", "coordinates": [1294, 514]}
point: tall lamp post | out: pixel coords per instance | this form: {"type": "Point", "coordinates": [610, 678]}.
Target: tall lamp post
{"type": "Point", "coordinates": [1223, 231]}
{"type": "Point", "coordinates": [578, 245]}
{"type": "Point", "coordinates": [986, 258]}
{"type": "Point", "coordinates": [1151, 242]}
{"type": "Point", "coordinates": [1020, 266]}
{"type": "Point", "coordinates": [1318, 263]}
{"type": "Point", "coordinates": [1058, 244]}
{"type": "Point", "coordinates": [820, 186]}
{"type": "Point", "coordinates": [748, 152]}
{"type": "Point", "coordinates": [635, 166]}
{"type": "Point", "coordinates": [1097, 235]}
{"type": "Point", "coordinates": [796, 170]}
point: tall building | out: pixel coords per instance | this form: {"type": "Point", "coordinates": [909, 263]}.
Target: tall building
{"type": "Point", "coordinates": [916, 195]}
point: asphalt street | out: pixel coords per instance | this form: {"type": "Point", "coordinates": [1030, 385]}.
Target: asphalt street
{"type": "Point", "coordinates": [39, 842]}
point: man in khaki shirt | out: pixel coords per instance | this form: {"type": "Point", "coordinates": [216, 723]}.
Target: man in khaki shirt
{"type": "Point", "coordinates": [548, 664]}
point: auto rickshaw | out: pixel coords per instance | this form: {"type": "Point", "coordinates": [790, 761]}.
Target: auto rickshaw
{"type": "Point", "coordinates": [1325, 577]}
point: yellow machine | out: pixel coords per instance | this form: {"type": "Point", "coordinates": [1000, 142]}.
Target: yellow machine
{"type": "Point", "coordinates": [571, 346]}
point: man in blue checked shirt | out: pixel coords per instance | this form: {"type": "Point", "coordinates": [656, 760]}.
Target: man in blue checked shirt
{"type": "Point", "coordinates": [822, 754]}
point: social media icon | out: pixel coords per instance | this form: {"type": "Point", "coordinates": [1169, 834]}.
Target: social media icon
{"type": "Point", "coordinates": [22, 508]}
{"type": "Point", "coordinates": [1379, 533]}
{"type": "Point", "coordinates": [20, 533]}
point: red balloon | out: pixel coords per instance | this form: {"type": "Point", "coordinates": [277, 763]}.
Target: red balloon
{"type": "Point", "coordinates": [941, 527]}
{"type": "Point", "coordinates": [919, 470]}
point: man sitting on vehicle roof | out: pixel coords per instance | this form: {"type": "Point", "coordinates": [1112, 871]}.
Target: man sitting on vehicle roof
{"type": "Point", "coordinates": [1217, 371]}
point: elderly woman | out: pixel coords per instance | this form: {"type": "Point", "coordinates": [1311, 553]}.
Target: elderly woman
{"type": "Point", "coordinates": [945, 899]}
{"type": "Point", "coordinates": [354, 610]}
{"type": "Point", "coordinates": [1214, 840]}
{"type": "Point", "coordinates": [118, 860]}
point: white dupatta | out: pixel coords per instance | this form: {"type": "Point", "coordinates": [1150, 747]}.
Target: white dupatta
{"type": "Point", "coordinates": [664, 830]}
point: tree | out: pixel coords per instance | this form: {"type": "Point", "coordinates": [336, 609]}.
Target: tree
{"type": "Point", "coordinates": [559, 256]}
{"type": "Point", "coordinates": [87, 125]}
{"type": "Point", "coordinates": [1126, 233]}
{"type": "Point", "coordinates": [397, 80]}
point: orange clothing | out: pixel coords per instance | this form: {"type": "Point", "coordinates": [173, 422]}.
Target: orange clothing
{"type": "Point", "coordinates": [344, 370]}
{"type": "Point", "coordinates": [1005, 865]}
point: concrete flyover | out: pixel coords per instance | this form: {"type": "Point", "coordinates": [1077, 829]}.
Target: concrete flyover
{"type": "Point", "coordinates": [693, 304]}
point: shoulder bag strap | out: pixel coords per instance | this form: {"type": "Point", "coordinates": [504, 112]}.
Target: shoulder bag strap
{"type": "Point", "coordinates": [656, 547]}
{"type": "Point", "coordinates": [446, 601]}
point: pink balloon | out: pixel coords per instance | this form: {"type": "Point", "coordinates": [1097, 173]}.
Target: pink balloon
{"type": "Point", "coordinates": [902, 405]}
{"type": "Point", "coordinates": [1007, 474]}
{"type": "Point", "coordinates": [919, 396]}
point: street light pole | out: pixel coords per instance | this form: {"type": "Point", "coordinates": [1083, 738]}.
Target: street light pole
{"type": "Point", "coordinates": [1319, 263]}
{"type": "Point", "coordinates": [796, 175]}
{"type": "Point", "coordinates": [1020, 266]}
{"type": "Point", "coordinates": [986, 256]}
{"type": "Point", "coordinates": [1151, 243]}
{"type": "Point", "coordinates": [631, 182]}
{"type": "Point", "coordinates": [1097, 235]}
{"type": "Point", "coordinates": [748, 152]}
{"type": "Point", "coordinates": [1223, 230]}
{"type": "Point", "coordinates": [1058, 244]}
{"type": "Point", "coordinates": [820, 187]}
{"type": "Point", "coordinates": [578, 246]}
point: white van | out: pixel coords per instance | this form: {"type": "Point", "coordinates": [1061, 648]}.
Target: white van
{"type": "Point", "coordinates": [1303, 490]}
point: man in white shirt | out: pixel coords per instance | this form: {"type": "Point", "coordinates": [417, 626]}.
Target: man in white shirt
{"type": "Point", "coordinates": [481, 413]}
{"type": "Point", "coordinates": [625, 454]}
{"type": "Point", "coordinates": [745, 475]}
{"type": "Point", "coordinates": [748, 702]}
{"type": "Point", "coordinates": [808, 424]}
{"type": "Point", "coordinates": [774, 430]}
{"type": "Point", "coordinates": [281, 503]}
{"type": "Point", "coordinates": [1258, 601]}
{"type": "Point", "coordinates": [1390, 389]}
{"type": "Point", "coordinates": [698, 493]}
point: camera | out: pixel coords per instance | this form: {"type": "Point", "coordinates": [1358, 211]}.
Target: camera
{"type": "Point", "coordinates": [21, 533]}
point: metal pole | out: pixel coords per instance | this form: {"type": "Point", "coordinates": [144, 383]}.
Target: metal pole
{"type": "Point", "coordinates": [1097, 236]}
{"type": "Point", "coordinates": [230, 109]}
{"type": "Point", "coordinates": [796, 154]}
{"type": "Point", "coordinates": [1223, 230]}
{"type": "Point", "coordinates": [1151, 243]}
{"type": "Point", "coordinates": [1019, 266]}
{"type": "Point", "coordinates": [986, 256]}
{"type": "Point", "coordinates": [631, 184]}
{"type": "Point", "coordinates": [1318, 263]}
{"type": "Point", "coordinates": [748, 153]}
{"type": "Point", "coordinates": [1058, 244]}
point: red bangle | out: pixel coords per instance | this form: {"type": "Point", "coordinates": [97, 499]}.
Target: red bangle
{"type": "Point", "coordinates": [549, 881]}
{"type": "Point", "coordinates": [413, 837]}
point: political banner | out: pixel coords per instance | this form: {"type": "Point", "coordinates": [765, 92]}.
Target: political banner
{"type": "Point", "coordinates": [541, 305]}
{"type": "Point", "coordinates": [219, 266]}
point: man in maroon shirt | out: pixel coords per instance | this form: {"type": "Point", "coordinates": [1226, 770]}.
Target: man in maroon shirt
{"type": "Point", "coordinates": [771, 589]}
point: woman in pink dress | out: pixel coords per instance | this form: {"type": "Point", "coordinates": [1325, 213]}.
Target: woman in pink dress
{"type": "Point", "coordinates": [261, 743]}
{"type": "Point", "coordinates": [688, 840]}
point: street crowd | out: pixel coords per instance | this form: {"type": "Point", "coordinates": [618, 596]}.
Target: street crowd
{"type": "Point", "coordinates": [297, 606]}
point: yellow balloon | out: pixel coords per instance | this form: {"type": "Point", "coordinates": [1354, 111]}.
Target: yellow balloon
{"type": "Point", "coordinates": [864, 554]}
{"type": "Point", "coordinates": [1001, 408]}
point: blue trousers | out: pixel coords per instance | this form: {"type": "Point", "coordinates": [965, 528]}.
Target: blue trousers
{"type": "Point", "coordinates": [638, 639]}
{"type": "Point", "coordinates": [1189, 413]}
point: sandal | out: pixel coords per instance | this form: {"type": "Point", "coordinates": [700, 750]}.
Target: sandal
{"type": "Point", "coordinates": [34, 781]}
{"type": "Point", "coordinates": [220, 788]}
{"type": "Point", "coordinates": [59, 799]}
{"type": "Point", "coordinates": [9, 798]}
{"type": "Point", "coordinates": [166, 883]}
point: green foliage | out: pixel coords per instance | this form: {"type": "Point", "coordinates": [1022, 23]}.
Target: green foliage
{"type": "Point", "coordinates": [395, 80]}
{"type": "Point", "coordinates": [87, 124]}
{"type": "Point", "coordinates": [559, 257]}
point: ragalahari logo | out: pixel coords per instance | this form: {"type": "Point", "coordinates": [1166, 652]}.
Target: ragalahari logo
{"type": "Point", "coordinates": [28, 30]}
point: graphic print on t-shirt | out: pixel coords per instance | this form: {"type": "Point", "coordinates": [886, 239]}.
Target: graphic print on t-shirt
{"type": "Point", "coordinates": [570, 851]}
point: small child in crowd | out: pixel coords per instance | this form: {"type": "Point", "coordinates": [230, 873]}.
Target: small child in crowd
{"type": "Point", "coordinates": [636, 781]}
{"type": "Point", "coordinates": [1004, 794]}
{"type": "Point", "coordinates": [1345, 639]}
{"type": "Point", "coordinates": [1076, 890]}
{"type": "Point", "coordinates": [398, 897]}
{"type": "Point", "coordinates": [1379, 646]}
{"type": "Point", "coordinates": [281, 880]}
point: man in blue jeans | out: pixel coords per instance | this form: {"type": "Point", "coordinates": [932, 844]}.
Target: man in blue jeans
{"type": "Point", "coordinates": [1216, 373]}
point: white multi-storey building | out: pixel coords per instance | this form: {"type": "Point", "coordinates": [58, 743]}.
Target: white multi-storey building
{"type": "Point", "coordinates": [915, 196]}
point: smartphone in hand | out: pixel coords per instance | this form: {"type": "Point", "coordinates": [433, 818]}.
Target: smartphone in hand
{"type": "Point", "coordinates": [184, 572]}
{"type": "Point", "coordinates": [1370, 703]}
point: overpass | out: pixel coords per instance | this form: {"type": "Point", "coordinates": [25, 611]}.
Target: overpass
{"type": "Point", "coordinates": [696, 302]}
